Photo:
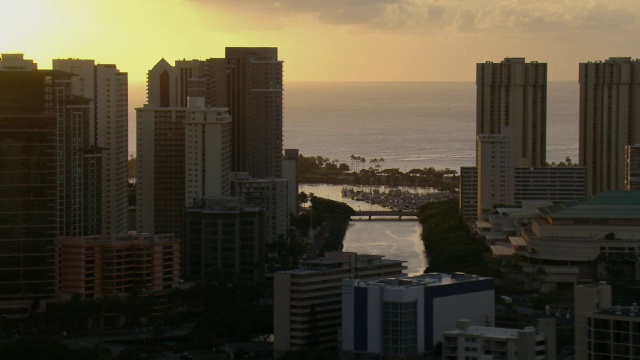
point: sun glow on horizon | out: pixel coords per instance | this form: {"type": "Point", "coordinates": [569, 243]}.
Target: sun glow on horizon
{"type": "Point", "coordinates": [386, 40]}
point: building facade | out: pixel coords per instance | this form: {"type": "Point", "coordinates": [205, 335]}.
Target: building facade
{"type": "Point", "coordinates": [483, 342]}
{"type": "Point", "coordinates": [609, 119]}
{"type": "Point", "coordinates": [50, 179]}
{"type": "Point", "coordinates": [222, 234]}
{"type": "Point", "coordinates": [469, 193]}
{"type": "Point", "coordinates": [254, 95]}
{"type": "Point", "coordinates": [207, 150]}
{"type": "Point", "coordinates": [495, 172]}
{"type": "Point", "coordinates": [569, 236]}
{"type": "Point", "coordinates": [632, 178]}
{"type": "Point", "coordinates": [512, 101]}
{"type": "Point", "coordinates": [407, 317]}
{"type": "Point", "coordinates": [183, 153]}
{"type": "Point", "coordinates": [103, 265]}
{"type": "Point", "coordinates": [604, 331]}
{"type": "Point", "coordinates": [551, 183]}
{"type": "Point", "coordinates": [588, 299]}
{"type": "Point", "coordinates": [247, 81]}
{"type": "Point", "coordinates": [269, 194]}
{"type": "Point", "coordinates": [107, 89]}
{"type": "Point", "coordinates": [290, 172]}
{"type": "Point", "coordinates": [307, 307]}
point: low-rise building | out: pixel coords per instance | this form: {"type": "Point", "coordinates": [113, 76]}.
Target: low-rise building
{"type": "Point", "coordinates": [573, 234]}
{"type": "Point", "coordinates": [483, 342]}
{"type": "Point", "coordinates": [602, 330]}
{"type": "Point", "coordinates": [102, 265]}
{"type": "Point", "coordinates": [549, 183]}
{"type": "Point", "coordinates": [407, 316]}
{"type": "Point", "coordinates": [614, 331]}
{"type": "Point", "coordinates": [307, 309]}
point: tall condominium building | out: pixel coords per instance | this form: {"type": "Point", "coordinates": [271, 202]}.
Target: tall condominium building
{"type": "Point", "coordinates": [49, 179]}
{"type": "Point", "coordinates": [247, 81]}
{"type": "Point", "coordinates": [470, 341]}
{"type": "Point", "coordinates": [469, 193]}
{"type": "Point", "coordinates": [254, 95]}
{"type": "Point", "coordinates": [221, 233]}
{"type": "Point", "coordinates": [632, 180]}
{"type": "Point", "coordinates": [269, 194]}
{"type": "Point", "coordinates": [406, 317]}
{"type": "Point", "coordinates": [290, 172]}
{"type": "Point", "coordinates": [106, 87]}
{"type": "Point", "coordinates": [307, 307]}
{"type": "Point", "coordinates": [183, 153]}
{"type": "Point", "coordinates": [495, 172]}
{"type": "Point", "coordinates": [512, 101]}
{"type": "Point", "coordinates": [609, 119]}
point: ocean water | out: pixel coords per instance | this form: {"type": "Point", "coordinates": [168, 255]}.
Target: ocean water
{"type": "Point", "coordinates": [409, 124]}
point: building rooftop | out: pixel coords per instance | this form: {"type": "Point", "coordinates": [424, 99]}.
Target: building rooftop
{"type": "Point", "coordinates": [502, 249]}
{"type": "Point", "coordinates": [424, 280]}
{"type": "Point", "coordinates": [340, 262]}
{"type": "Point", "coordinates": [626, 311]}
{"type": "Point", "coordinates": [518, 241]}
{"type": "Point", "coordinates": [494, 332]}
{"type": "Point", "coordinates": [606, 205]}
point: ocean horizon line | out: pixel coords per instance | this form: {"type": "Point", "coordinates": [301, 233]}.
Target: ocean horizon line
{"type": "Point", "coordinates": [138, 83]}
{"type": "Point", "coordinates": [401, 81]}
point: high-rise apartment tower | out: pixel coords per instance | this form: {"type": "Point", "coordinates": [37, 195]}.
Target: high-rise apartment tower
{"type": "Point", "coordinates": [247, 81]}
{"type": "Point", "coordinates": [49, 179]}
{"type": "Point", "coordinates": [609, 120]}
{"type": "Point", "coordinates": [106, 87]}
{"type": "Point", "coordinates": [512, 101]}
{"type": "Point", "coordinates": [184, 152]}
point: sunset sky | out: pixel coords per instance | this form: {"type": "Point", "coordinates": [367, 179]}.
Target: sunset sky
{"type": "Point", "coordinates": [403, 40]}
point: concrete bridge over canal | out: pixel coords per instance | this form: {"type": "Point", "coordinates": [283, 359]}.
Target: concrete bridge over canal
{"type": "Point", "coordinates": [377, 214]}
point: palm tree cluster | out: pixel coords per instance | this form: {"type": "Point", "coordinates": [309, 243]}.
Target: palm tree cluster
{"type": "Point", "coordinates": [322, 169]}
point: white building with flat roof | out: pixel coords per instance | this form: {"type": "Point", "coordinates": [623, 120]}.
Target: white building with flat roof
{"type": "Point", "coordinates": [470, 341]}
{"type": "Point", "coordinates": [408, 316]}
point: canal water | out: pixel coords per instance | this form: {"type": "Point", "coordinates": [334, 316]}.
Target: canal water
{"type": "Point", "coordinates": [398, 240]}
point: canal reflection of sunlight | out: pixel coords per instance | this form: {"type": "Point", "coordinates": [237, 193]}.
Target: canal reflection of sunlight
{"type": "Point", "coordinates": [398, 240]}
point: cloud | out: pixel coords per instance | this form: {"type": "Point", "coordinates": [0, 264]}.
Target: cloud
{"type": "Point", "coordinates": [367, 13]}
{"type": "Point", "coordinates": [544, 16]}
{"type": "Point", "coordinates": [437, 15]}
{"type": "Point", "coordinates": [465, 21]}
